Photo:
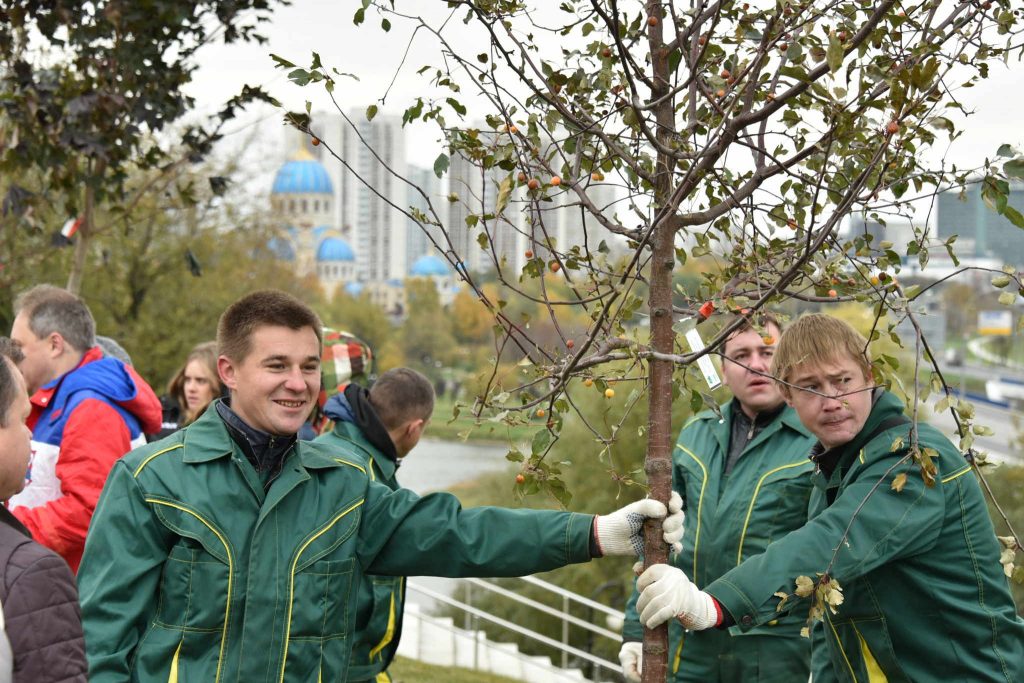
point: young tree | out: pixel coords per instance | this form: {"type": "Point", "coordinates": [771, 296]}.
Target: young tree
{"type": "Point", "coordinates": [741, 131]}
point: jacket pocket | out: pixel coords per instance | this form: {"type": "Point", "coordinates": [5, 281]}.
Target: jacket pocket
{"type": "Point", "coordinates": [862, 649]}
{"type": "Point", "coordinates": [326, 597]}
{"type": "Point", "coordinates": [777, 505]}
{"type": "Point", "coordinates": [319, 638]}
{"type": "Point", "coordinates": [193, 589]}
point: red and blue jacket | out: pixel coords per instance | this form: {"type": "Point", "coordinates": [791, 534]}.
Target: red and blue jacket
{"type": "Point", "coordinates": [82, 423]}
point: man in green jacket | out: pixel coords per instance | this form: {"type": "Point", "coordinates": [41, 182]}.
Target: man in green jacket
{"type": "Point", "coordinates": [745, 481]}
{"type": "Point", "coordinates": [899, 558]}
{"type": "Point", "coordinates": [381, 425]}
{"type": "Point", "coordinates": [230, 551]}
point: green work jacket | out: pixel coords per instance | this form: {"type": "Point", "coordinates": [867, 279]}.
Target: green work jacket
{"type": "Point", "coordinates": [924, 595]}
{"type": "Point", "coordinates": [192, 572]}
{"type": "Point", "coordinates": [731, 518]}
{"type": "Point", "coordinates": [381, 599]}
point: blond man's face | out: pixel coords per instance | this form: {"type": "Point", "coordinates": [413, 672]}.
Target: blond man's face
{"type": "Point", "coordinates": [832, 399]}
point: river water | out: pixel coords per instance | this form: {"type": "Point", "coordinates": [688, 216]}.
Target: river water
{"type": "Point", "coordinates": [435, 465]}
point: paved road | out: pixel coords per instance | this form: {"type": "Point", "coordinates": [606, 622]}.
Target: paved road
{"type": "Point", "coordinates": [999, 445]}
{"type": "Point", "coordinates": [982, 372]}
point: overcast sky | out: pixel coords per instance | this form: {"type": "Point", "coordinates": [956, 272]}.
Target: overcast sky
{"type": "Point", "coordinates": [326, 27]}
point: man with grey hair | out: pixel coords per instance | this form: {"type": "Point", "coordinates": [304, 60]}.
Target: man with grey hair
{"type": "Point", "coordinates": [87, 411]}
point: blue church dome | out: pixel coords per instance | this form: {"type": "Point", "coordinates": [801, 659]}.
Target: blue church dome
{"type": "Point", "coordinates": [302, 175]}
{"type": "Point", "coordinates": [281, 248]}
{"type": "Point", "coordinates": [428, 266]}
{"type": "Point", "coordinates": [334, 249]}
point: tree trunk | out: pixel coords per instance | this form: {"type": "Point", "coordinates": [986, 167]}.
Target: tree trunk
{"type": "Point", "coordinates": [77, 274]}
{"type": "Point", "coordinates": [658, 464]}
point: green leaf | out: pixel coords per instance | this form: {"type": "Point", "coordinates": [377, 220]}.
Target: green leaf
{"type": "Point", "coordinates": [1014, 216]}
{"type": "Point", "coordinates": [1003, 151]}
{"type": "Point", "coordinates": [371, 111]}
{"type": "Point", "coordinates": [456, 105]}
{"type": "Point", "coordinates": [385, 24]}
{"type": "Point", "coordinates": [1000, 281]}
{"type": "Point", "coordinates": [283, 63]}
{"type": "Point", "coordinates": [834, 55]}
{"type": "Point", "coordinates": [1014, 168]}
{"type": "Point", "coordinates": [441, 164]}
{"type": "Point", "coordinates": [540, 441]}
{"type": "Point", "coordinates": [359, 16]}
{"type": "Point", "coordinates": [556, 487]}
{"type": "Point", "coordinates": [514, 456]}
{"type": "Point", "coordinates": [1007, 298]}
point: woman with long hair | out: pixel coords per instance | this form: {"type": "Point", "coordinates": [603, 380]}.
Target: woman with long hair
{"type": "Point", "coordinates": [191, 390]}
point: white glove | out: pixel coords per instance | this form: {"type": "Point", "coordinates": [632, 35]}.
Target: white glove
{"type": "Point", "coordinates": [665, 592]}
{"type": "Point", "coordinates": [630, 656]}
{"type": "Point", "coordinates": [672, 527]}
{"type": "Point", "coordinates": [620, 532]}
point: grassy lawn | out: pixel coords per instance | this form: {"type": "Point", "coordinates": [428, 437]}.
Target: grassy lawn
{"type": "Point", "coordinates": [443, 427]}
{"type": "Point", "coordinates": [410, 671]}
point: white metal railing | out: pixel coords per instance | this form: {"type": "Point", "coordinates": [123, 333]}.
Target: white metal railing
{"type": "Point", "coordinates": [567, 619]}
{"type": "Point", "coordinates": [479, 640]}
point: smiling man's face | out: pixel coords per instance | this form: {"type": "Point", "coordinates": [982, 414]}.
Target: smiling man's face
{"type": "Point", "coordinates": [746, 357]}
{"type": "Point", "coordinates": [274, 386]}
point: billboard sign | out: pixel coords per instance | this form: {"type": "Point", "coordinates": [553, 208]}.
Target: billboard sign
{"type": "Point", "coordinates": [995, 323]}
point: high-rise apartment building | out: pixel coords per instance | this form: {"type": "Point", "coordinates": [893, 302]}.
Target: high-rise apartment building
{"type": "Point", "coordinates": [374, 152]}
{"type": "Point", "coordinates": [418, 241]}
{"type": "Point", "coordinates": [982, 232]}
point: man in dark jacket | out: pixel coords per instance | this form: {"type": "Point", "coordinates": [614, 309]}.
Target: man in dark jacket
{"type": "Point", "coordinates": [898, 563]}
{"type": "Point", "coordinates": [383, 424]}
{"type": "Point", "coordinates": [37, 590]}
{"type": "Point", "coordinates": [87, 411]}
{"type": "Point", "coordinates": [231, 551]}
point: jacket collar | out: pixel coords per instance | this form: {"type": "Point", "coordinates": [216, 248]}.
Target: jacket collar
{"type": "Point", "coordinates": [884, 406]}
{"type": "Point", "coordinates": [6, 517]}
{"type": "Point", "coordinates": [351, 433]}
{"type": "Point", "coordinates": [722, 428]}
{"type": "Point", "coordinates": [44, 395]}
{"type": "Point", "coordinates": [208, 439]}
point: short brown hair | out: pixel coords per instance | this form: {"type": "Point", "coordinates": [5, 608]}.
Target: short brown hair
{"type": "Point", "coordinates": [755, 321]}
{"type": "Point", "coordinates": [51, 309]}
{"type": "Point", "coordinates": [265, 307]}
{"type": "Point", "coordinates": [401, 395]}
{"type": "Point", "coordinates": [8, 386]}
{"type": "Point", "coordinates": [818, 338]}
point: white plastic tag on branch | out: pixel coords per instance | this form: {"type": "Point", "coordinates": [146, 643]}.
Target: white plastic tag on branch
{"type": "Point", "coordinates": [707, 368]}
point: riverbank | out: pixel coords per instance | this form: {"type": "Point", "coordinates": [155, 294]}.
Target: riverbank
{"type": "Point", "coordinates": [465, 428]}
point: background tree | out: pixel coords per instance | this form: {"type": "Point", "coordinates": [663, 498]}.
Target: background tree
{"type": "Point", "coordinates": [426, 332]}
{"type": "Point", "coordinates": [164, 267]}
{"type": "Point", "coordinates": [88, 90]}
{"type": "Point", "coordinates": [741, 132]}
{"type": "Point", "coordinates": [359, 316]}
